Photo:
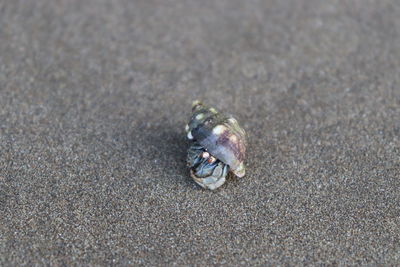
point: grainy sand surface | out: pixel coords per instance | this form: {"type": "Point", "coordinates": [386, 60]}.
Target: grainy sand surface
{"type": "Point", "coordinates": [94, 96]}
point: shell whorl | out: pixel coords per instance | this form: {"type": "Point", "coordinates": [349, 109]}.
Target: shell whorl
{"type": "Point", "coordinates": [220, 135]}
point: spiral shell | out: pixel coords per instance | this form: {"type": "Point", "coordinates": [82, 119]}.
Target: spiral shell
{"type": "Point", "coordinates": [221, 137]}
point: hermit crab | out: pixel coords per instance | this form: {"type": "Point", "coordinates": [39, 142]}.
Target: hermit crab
{"type": "Point", "coordinates": [218, 146]}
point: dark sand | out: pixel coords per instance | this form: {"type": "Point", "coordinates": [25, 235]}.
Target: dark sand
{"type": "Point", "coordinates": [94, 96]}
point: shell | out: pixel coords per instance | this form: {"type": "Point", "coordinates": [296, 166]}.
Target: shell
{"type": "Point", "coordinates": [220, 135]}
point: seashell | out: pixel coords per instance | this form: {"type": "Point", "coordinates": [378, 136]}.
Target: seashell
{"type": "Point", "coordinates": [218, 146]}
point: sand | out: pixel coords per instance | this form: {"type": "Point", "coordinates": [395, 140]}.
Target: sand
{"type": "Point", "coordinates": [94, 97]}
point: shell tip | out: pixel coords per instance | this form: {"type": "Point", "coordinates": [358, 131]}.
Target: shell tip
{"type": "Point", "coordinates": [196, 104]}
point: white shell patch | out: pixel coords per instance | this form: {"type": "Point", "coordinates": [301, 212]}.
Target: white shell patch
{"type": "Point", "coordinates": [199, 116]}
{"type": "Point", "coordinates": [213, 110]}
{"type": "Point", "coordinates": [189, 135]}
{"type": "Point", "coordinates": [219, 129]}
{"type": "Point", "coordinates": [232, 120]}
